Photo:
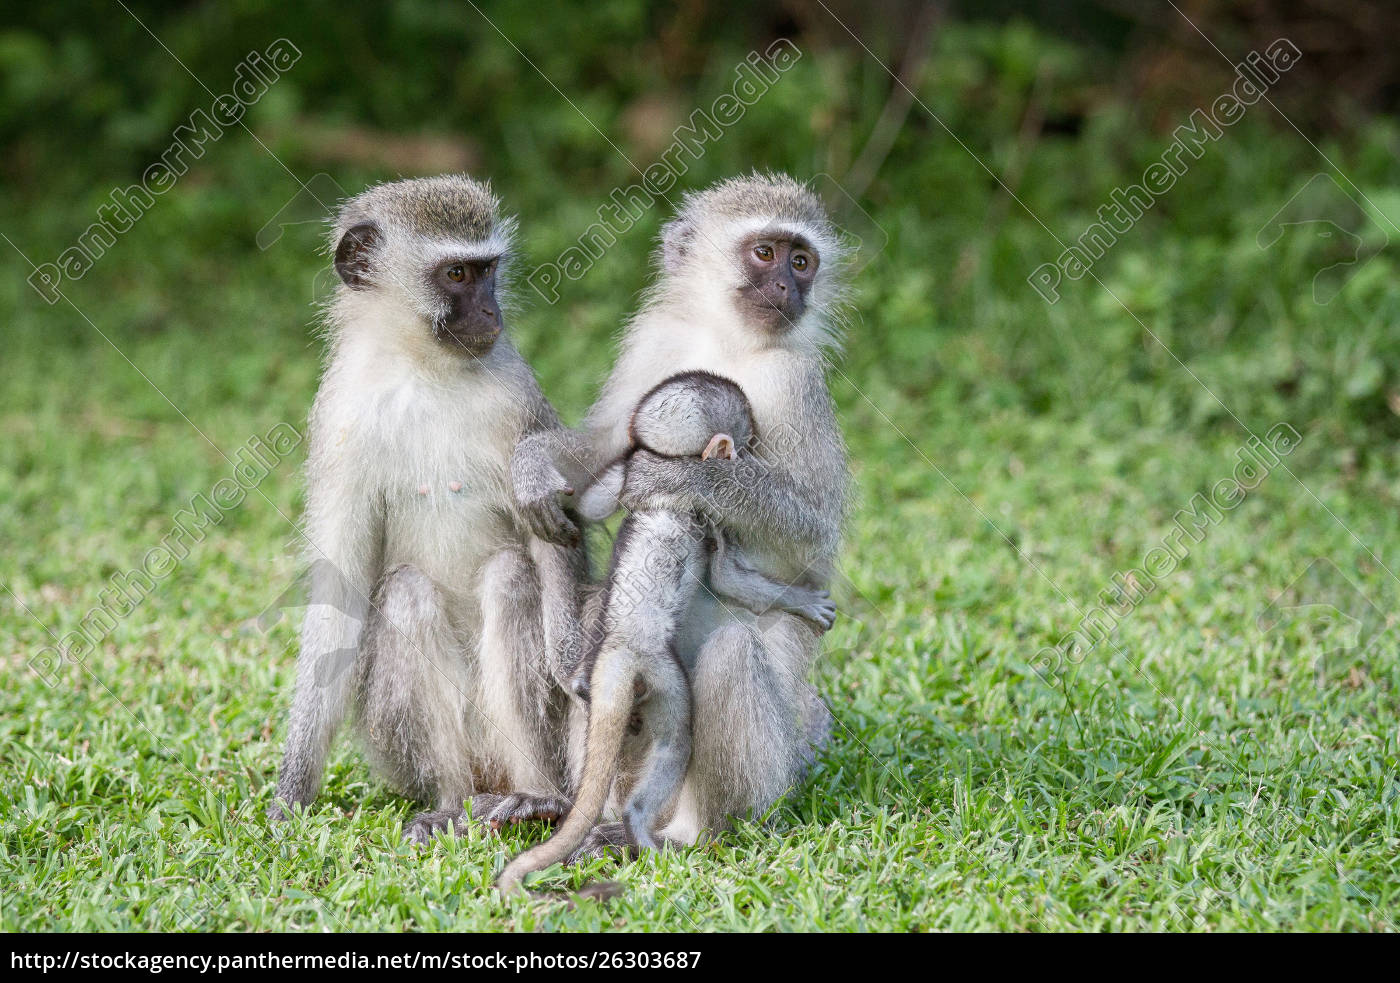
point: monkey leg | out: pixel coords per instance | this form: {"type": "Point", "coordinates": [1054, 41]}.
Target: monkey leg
{"type": "Point", "coordinates": [666, 733]}
{"type": "Point", "coordinates": [756, 722]}
{"type": "Point", "coordinates": [522, 711]}
{"type": "Point", "coordinates": [414, 689]}
{"type": "Point", "coordinates": [514, 719]}
{"type": "Point", "coordinates": [561, 572]}
{"type": "Point", "coordinates": [666, 727]}
{"type": "Point", "coordinates": [665, 741]}
{"type": "Point", "coordinates": [734, 577]}
{"type": "Point", "coordinates": [752, 733]}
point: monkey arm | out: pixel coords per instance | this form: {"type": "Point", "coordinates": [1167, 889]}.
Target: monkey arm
{"type": "Point", "coordinates": [344, 534]}
{"type": "Point", "coordinates": [600, 499]}
{"type": "Point", "coordinates": [734, 577]}
{"type": "Point", "coordinates": [546, 468]}
{"type": "Point", "coordinates": [759, 501]}
{"type": "Point", "coordinates": [560, 569]}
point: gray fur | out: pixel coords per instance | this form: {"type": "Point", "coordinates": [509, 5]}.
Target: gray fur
{"type": "Point", "coordinates": [755, 714]}
{"type": "Point", "coordinates": [634, 682]}
{"type": "Point", "coordinates": [461, 623]}
{"type": "Point", "coordinates": [446, 207]}
{"type": "Point", "coordinates": [659, 564]}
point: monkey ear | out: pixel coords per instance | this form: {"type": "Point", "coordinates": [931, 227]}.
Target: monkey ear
{"type": "Point", "coordinates": [353, 255]}
{"type": "Point", "coordinates": [720, 447]}
{"type": "Point", "coordinates": [676, 241]}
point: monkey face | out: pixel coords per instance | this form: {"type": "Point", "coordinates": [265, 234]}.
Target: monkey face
{"type": "Point", "coordinates": [456, 296]}
{"type": "Point", "coordinates": [429, 247]}
{"type": "Point", "coordinates": [778, 272]}
{"type": "Point", "coordinates": [469, 316]}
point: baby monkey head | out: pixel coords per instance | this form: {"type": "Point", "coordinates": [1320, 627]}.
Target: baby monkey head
{"type": "Point", "coordinates": [694, 414]}
{"type": "Point", "coordinates": [434, 247]}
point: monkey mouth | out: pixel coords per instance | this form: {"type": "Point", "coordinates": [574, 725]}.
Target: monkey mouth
{"type": "Point", "coordinates": [474, 339]}
{"type": "Point", "coordinates": [772, 315]}
{"type": "Point", "coordinates": [776, 312]}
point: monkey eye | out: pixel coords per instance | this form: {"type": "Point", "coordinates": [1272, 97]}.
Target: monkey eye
{"type": "Point", "coordinates": [799, 261]}
{"type": "Point", "coordinates": [456, 273]}
{"type": "Point", "coordinates": [764, 252]}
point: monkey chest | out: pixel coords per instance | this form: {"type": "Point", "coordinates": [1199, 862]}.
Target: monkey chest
{"type": "Point", "coordinates": [446, 513]}
{"type": "Point", "coordinates": [441, 465]}
{"type": "Point", "coordinates": [445, 496]}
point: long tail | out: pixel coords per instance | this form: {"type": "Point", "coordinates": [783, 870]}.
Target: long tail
{"type": "Point", "coordinates": [613, 688]}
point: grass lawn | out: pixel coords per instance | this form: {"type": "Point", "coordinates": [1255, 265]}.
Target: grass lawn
{"type": "Point", "coordinates": [1221, 761]}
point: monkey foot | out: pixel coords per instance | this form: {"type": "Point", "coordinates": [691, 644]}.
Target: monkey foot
{"type": "Point", "coordinates": [518, 807]}
{"type": "Point", "coordinates": [603, 840]}
{"type": "Point", "coordinates": [424, 826]}
{"type": "Point", "coordinates": [489, 809]}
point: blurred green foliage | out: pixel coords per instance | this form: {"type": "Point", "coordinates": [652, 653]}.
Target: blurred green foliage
{"type": "Point", "coordinates": [566, 102]}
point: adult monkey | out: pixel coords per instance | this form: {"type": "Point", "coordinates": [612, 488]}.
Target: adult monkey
{"type": "Point", "coordinates": [748, 281]}
{"type": "Point", "coordinates": [433, 612]}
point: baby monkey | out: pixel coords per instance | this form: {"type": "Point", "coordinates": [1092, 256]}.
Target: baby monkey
{"type": "Point", "coordinates": [635, 679]}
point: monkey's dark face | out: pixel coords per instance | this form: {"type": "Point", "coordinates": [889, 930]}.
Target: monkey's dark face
{"type": "Point", "coordinates": [778, 274]}
{"type": "Point", "coordinates": [470, 317]}
{"type": "Point", "coordinates": [460, 292]}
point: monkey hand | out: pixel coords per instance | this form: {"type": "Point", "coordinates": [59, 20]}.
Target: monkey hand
{"type": "Point", "coordinates": [540, 491]}
{"type": "Point", "coordinates": [821, 610]}
{"type": "Point", "coordinates": [547, 520]}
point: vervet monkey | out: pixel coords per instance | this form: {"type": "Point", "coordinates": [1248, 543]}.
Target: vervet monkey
{"type": "Point", "coordinates": [458, 623]}
{"type": "Point", "coordinates": [635, 678]}
{"type": "Point", "coordinates": [704, 415]}
{"type": "Point", "coordinates": [748, 284]}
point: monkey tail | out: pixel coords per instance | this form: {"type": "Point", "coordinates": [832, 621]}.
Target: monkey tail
{"type": "Point", "coordinates": [614, 686]}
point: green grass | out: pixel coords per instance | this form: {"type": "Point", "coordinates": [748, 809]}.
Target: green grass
{"type": "Point", "coordinates": [1198, 771]}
